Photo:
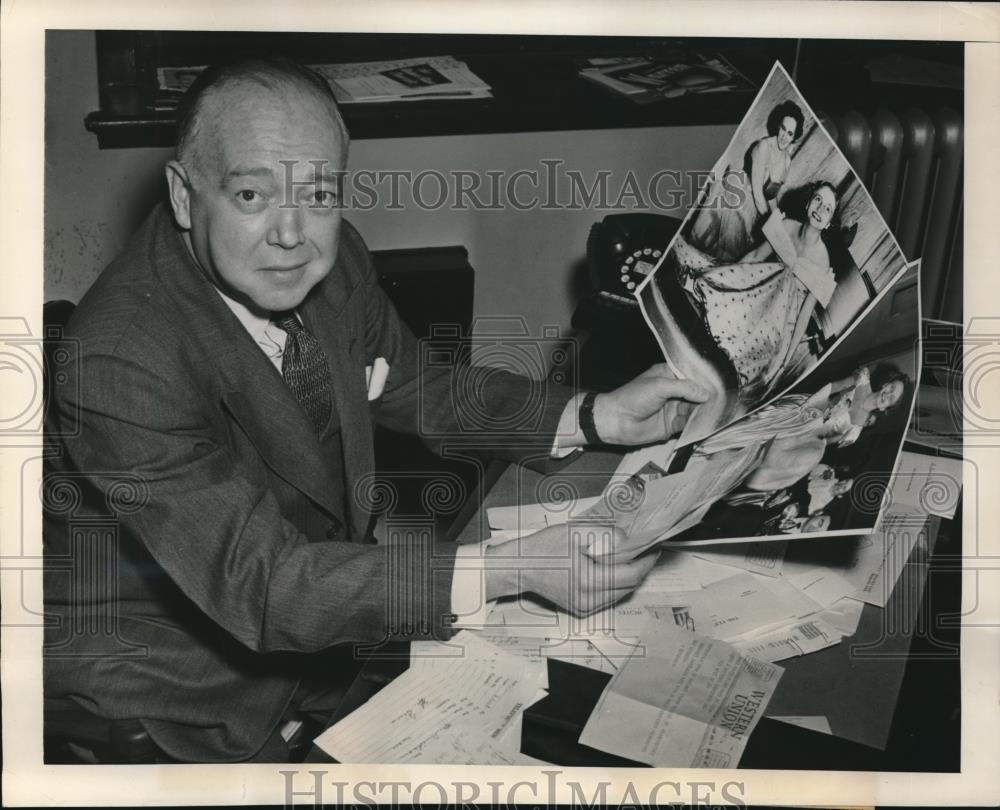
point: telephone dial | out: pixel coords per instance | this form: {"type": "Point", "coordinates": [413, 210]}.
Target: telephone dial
{"type": "Point", "coordinates": [623, 249]}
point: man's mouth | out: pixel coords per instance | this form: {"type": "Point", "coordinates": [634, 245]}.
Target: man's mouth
{"type": "Point", "coordinates": [284, 272]}
{"type": "Point", "coordinates": [283, 268]}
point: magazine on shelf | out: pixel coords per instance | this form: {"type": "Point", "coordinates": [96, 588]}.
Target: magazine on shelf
{"type": "Point", "coordinates": [646, 80]}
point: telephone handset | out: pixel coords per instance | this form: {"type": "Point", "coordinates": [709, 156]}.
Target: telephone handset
{"type": "Point", "coordinates": [623, 249]}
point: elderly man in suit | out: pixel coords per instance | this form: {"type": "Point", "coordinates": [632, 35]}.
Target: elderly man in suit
{"type": "Point", "coordinates": [220, 384]}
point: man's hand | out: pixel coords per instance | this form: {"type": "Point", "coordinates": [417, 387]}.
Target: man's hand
{"type": "Point", "coordinates": [554, 564]}
{"type": "Point", "coordinates": [651, 408]}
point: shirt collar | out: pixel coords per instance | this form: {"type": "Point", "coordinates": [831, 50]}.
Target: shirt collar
{"type": "Point", "coordinates": [255, 324]}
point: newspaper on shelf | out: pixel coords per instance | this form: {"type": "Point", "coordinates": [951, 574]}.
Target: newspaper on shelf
{"type": "Point", "coordinates": [423, 78]}
{"type": "Point", "coordinates": [419, 79]}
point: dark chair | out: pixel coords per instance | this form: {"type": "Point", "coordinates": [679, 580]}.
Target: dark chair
{"type": "Point", "coordinates": [72, 734]}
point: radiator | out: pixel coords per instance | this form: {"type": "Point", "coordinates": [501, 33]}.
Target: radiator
{"type": "Point", "coordinates": [912, 166]}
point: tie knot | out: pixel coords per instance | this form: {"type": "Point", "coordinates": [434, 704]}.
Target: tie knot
{"type": "Point", "coordinates": [287, 322]}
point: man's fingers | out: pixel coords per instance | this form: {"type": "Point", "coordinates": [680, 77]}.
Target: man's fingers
{"type": "Point", "coordinates": [609, 575]}
{"type": "Point", "coordinates": [631, 574]}
{"type": "Point", "coordinates": [676, 415]}
{"type": "Point", "coordinates": [607, 540]}
{"type": "Point", "coordinates": [675, 387]}
{"type": "Point", "coordinates": [684, 389]}
{"type": "Point", "coordinates": [660, 371]}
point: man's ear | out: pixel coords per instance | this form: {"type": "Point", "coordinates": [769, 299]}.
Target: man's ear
{"type": "Point", "coordinates": [180, 193]}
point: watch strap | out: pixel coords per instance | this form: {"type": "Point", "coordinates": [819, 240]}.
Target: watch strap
{"type": "Point", "coordinates": [586, 417]}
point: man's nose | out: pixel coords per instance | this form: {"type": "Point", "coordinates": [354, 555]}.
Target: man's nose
{"type": "Point", "coordinates": [286, 228]}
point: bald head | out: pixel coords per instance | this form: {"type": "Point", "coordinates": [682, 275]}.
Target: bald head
{"type": "Point", "coordinates": [256, 186]}
{"type": "Point", "coordinates": [225, 95]}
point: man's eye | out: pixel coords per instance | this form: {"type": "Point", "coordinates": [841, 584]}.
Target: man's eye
{"type": "Point", "coordinates": [324, 198]}
{"type": "Point", "coordinates": [250, 200]}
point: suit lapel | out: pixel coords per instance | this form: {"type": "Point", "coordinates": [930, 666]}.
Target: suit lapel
{"type": "Point", "coordinates": [252, 390]}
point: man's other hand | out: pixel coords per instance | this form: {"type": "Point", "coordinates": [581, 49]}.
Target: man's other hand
{"type": "Point", "coordinates": [554, 564]}
{"type": "Point", "coordinates": [651, 408]}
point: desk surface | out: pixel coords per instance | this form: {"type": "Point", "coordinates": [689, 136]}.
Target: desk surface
{"type": "Point", "coordinates": [854, 685]}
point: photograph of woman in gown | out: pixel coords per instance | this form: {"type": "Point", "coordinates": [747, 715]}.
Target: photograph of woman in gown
{"type": "Point", "coordinates": [728, 223]}
{"type": "Point", "coordinates": [836, 413]}
{"type": "Point", "coordinates": [799, 431]}
{"type": "Point", "coordinates": [758, 308]}
{"type": "Point", "coordinates": [776, 263]}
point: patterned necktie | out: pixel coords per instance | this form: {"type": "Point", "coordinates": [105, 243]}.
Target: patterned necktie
{"type": "Point", "coordinates": [304, 367]}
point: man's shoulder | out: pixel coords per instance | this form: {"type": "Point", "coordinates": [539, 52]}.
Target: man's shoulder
{"type": "Point", "coordinates": [353, 255]}
{"type": "Point", "coordinates": [128, 298]}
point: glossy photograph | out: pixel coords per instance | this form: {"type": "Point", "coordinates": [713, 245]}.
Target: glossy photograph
{"type": "Point", "coordinates": [782, 253]}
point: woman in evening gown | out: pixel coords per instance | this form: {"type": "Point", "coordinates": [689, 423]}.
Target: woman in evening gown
{"type": "Point", "coordinates": [799, 427]}
{"type": "Point", "coordinates": [758, 308]}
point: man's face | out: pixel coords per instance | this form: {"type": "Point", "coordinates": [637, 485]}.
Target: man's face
{"type": "Point", "coordinates": [261, 210]}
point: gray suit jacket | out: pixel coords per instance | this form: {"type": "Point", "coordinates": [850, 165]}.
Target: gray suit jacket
{"type": "Point", "coordinates": [195, 553]}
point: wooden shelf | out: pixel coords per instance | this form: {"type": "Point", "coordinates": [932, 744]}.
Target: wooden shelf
{"type": "Point", "coordinates": [533, 79]}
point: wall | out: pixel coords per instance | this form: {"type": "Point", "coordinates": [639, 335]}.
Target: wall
{"type": "Point", "coordinates": [527, 263]}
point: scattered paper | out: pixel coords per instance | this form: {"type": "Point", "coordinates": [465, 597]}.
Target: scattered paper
{"type": "Point", "coordinates": [844, 615]}
{"type": "Point", "coordinates": [605, 655]}
{"type": "Point", "coordinates": [764, 558]}
{"type": "Point", "coordinates": [931, 485]}
{"type": "Point", "coordinates": [740, 605]}
{"type": "Point", "coordinates": [525, 617]}
{"type": "Point", "coordinates": [790, 641]}
{"type": "Point", "coordinates": [492, 650]}
{"type": "Point", "coordinates": [812, 722]}
{"type": "Point", "coordinates": [688, 702]}
{"type": "Point", "coordinates": [822, 585]}
{"type": "Point", "coordinates": [470, 717]}
{"type": "Point", "coordinates": [881, 557]}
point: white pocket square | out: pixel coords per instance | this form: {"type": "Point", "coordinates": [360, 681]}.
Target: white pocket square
{"type": "Point", "coordinates": [375, 377]}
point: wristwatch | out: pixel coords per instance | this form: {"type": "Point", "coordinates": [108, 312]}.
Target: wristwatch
{"type": "Point", "coordinates": [586, 416]}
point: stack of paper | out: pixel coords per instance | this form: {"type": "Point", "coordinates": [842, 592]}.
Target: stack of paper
{"type": "Point", "coordinates": [440, 77]}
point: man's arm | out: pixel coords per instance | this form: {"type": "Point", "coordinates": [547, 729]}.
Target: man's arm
{"type": "Point", "coordinates": [455, 406]}
{"type": "Point", "coordinates": [220, 535]}
{"type": "Point", "coordinates": [508, 415]}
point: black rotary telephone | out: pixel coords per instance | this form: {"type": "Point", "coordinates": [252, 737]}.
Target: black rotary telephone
{"type": "Point", "coordinates": [623, 249]}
